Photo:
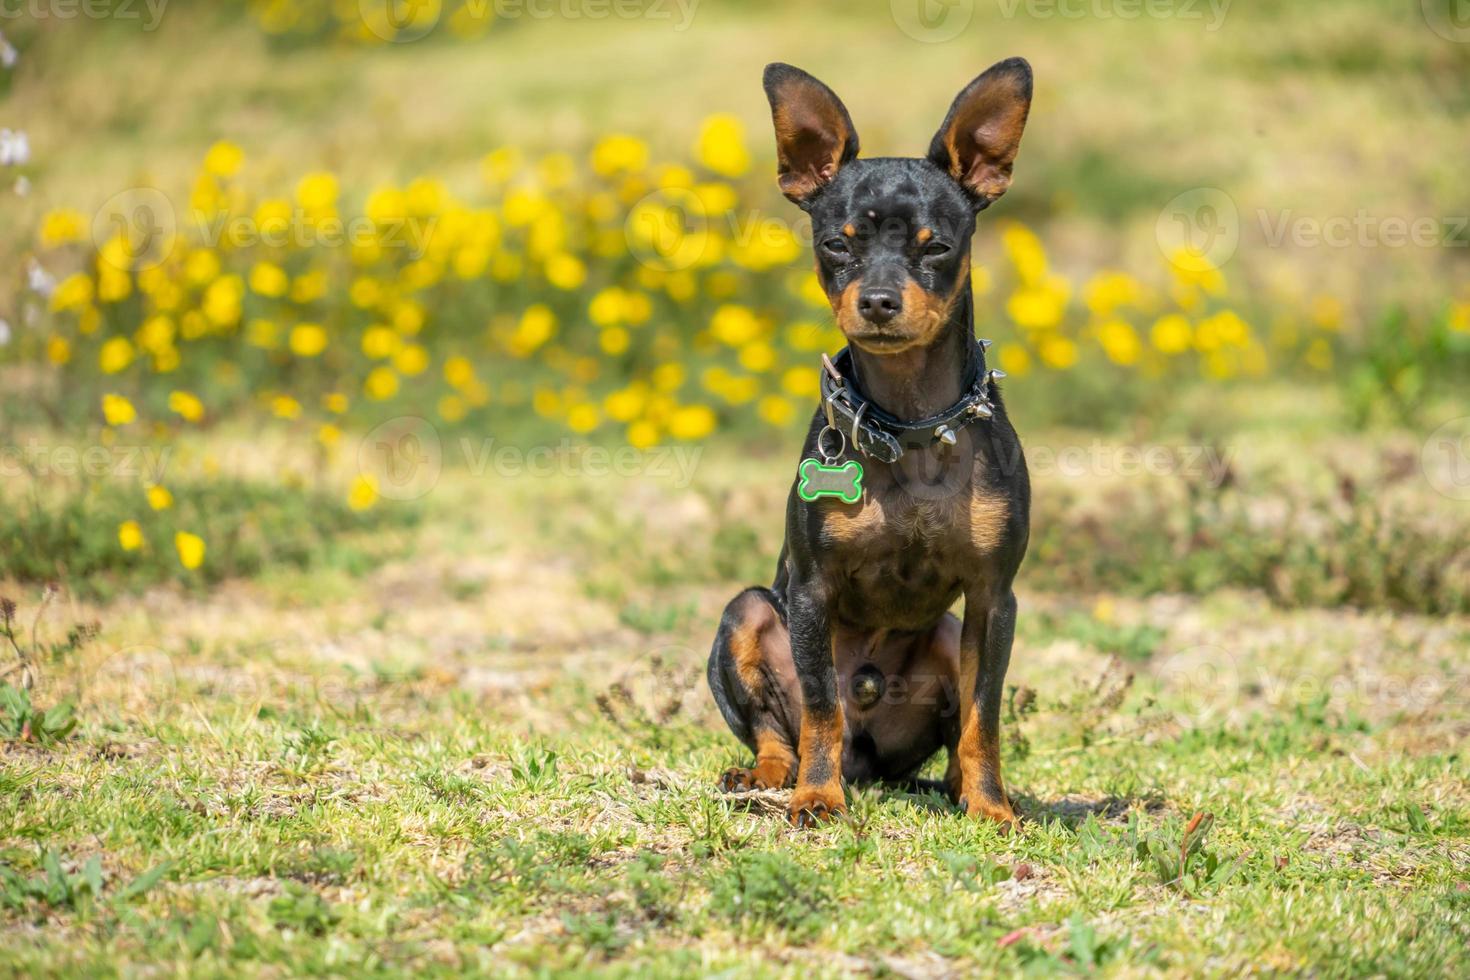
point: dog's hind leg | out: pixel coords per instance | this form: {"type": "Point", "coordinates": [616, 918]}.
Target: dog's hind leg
{"type": "Point", "coordinates": [753, 680]}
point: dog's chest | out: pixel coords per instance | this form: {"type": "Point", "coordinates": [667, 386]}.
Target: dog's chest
{"type": "Point", "coordinates": [894, 557]}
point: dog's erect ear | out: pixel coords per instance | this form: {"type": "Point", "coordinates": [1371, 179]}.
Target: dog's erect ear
{"type": "Point", "coordinates": [814, 133]}
{"type": "Point", "coordinates": [978, 141]}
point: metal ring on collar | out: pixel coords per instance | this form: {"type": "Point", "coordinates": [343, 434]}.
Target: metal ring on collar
{"type": "Point", "coordinates": [857, 421]}
{"type": "Point", "coordinates": [841, 444]}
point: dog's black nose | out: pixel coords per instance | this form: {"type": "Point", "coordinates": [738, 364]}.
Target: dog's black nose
{"type": "Point", "coordinates": [879, 305]}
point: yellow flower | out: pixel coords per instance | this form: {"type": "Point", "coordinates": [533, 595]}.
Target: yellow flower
{"type": "Point", "coordinates": [1460, 318]}
{"type": "Point", "coordinates": [721, 146]}
{"type": "Point", "coordinates": [190, 548]}
{"type": "Point", "coordinates": [269, 279]}
{"type": "Point", "coordinates": [186, 406]}
{"type": "Point", "coordinates": [625, 404]}
{"type": "Point", "coordinates": [1171, 334]}
{"type": "Point", "coordinates": [73, 292]}
{"type": "Point", "coordinates": [776, 410]}
{"type": "Point", "coordinates": [380, 342]}
{"type": "Point", "coordinates": [618, 152]}
{"type": "Point", "coordinates": [1025, 252]}
{"type": "Point", "coordinates": [1120, 342]}
{"type": "Point", "coordinates": [223, 159]}
{"type": "Point", "coordinates": [565, 271]}
{"type": "Point", "coordinates": [537, 326]}
{"type": "Point", "coordinates": [668, 377]}
{"type": "Point", "coordinates": [58, 351]}
{"type": "Point", "coordinates": [614, 340]}
{"type": "Point", "coordinates": [308, 340]}
{"type": "Point", "coordinates": [1040, 306]}
{"type": "Point", "coordinates": [411, 359]}
{"type": "Point", "coordinates": [758, 357]}
{"type": "Point", "coordinates": [221, 303]}
{"type": "Point", "coordinates": [1327, 312]}
{"type": "Point", "coordinates": [118, 410]}
{"type": "Point", "coordinates": [692, 422]}
{"type": "Point", "coordinates": [734, 325]}
{"type": "Point", "coordinates": [317, 194]}
{"type": "Point", "coordinates": [1107, 291]}
{"type": "Point", "coordinates": [381, 384]}
{"type": "Point", "coordinates": [801, 382]}
{"type": "Point", "coordinates": [335, 402]}
{"type": "Point", "coordinates": [1014, 360]}
{"type": "Point", "coordinates": [159, 498]}
{"type": "Point", "coordinates": [459, 372]}
{"type": "Point", "coordinates": [499, 166]}
{"type": "Point", "coordinates": [328, 435]}
{"type": "Point", "coordinates": [130, 536]}
{"type": "Point", "coordinates": [62, 226]}
{"type": "Point", "coordinates": [363, 495]}
{"type": "Point", "coordinates": [583, 418]}
{"type": "Point", "coordinates": [642, 434]}
{"type": "Point", "coordinates": [1058, 353]}
{"type": "Point", "coordinates": [285, 407]}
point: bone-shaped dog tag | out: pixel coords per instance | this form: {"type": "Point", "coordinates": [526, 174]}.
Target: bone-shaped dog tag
{"type": "Point", "coordinates": [845, 482]}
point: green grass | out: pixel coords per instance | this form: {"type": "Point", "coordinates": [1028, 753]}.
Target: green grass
{"type": "Point", "coordinates": [488, 755]}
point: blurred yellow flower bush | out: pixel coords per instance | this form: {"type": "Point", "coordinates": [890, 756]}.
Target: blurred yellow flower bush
{"type": "Point", "coordinates": [609, 294]}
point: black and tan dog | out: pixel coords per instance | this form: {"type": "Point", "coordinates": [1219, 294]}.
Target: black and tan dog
{"type": "Point", "coordinates": [851, 665]}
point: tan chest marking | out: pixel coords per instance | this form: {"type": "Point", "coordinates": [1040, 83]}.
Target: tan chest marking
{"type": "Point", "coordinates": [988, 516]}
{"type": "Point", "coordinates": [842, 523]}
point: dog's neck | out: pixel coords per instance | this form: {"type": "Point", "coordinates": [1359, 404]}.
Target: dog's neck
{"type": "Point", "coordinates": [921, 381]}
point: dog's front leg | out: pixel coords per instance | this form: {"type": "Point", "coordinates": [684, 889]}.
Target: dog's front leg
{"type": "Point", "coordinates": [985, 653]}
{"type": "Point", "coordinates": [818, 792]}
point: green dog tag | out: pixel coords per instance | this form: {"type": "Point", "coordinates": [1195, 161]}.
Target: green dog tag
{"type": "Point", "coordinates": [845, 482]}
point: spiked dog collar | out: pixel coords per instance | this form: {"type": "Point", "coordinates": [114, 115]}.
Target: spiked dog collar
{"type": "Point", "coordinates": [880, 435]}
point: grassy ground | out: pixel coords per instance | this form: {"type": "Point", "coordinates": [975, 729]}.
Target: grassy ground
{"type": "Point", "coordinates": [498, 753]}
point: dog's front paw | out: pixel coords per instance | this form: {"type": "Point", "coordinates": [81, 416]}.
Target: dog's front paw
{"type": "Point", "coordinates": [812, 805]}
{"type": "Point", "coordinates": [1000, 812]}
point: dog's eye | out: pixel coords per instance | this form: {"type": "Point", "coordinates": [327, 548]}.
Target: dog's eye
{"type": "Point", "coordinates": [934, 249]}
{"type": "Point", "coordinates": [836, 246]}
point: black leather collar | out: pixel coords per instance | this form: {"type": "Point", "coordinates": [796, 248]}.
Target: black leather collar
{"type": "Point", "coordinates": [881, 436]}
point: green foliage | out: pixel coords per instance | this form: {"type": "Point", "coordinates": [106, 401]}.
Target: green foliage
{"type": "Point", "coordinates": [20, 721]}
{"type": "Point", "coordinates": [79, 891]}
{"type": "Point", "coordinates": [1179, 857]}
{"type": "Point", "coordinates": [248, 528]}
{"type": "Point", "coordinates": [1353, 547]}
{"type": "Point", "coordinates": [767, 889]}
{"type": "Point", "coordinates": [302, 909]}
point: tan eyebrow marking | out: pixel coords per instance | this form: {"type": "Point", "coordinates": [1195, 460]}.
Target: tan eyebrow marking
{"type": "Point", "coordinates": [925, 234]}
{"type": "Point", "coordinates": [849, 230]}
